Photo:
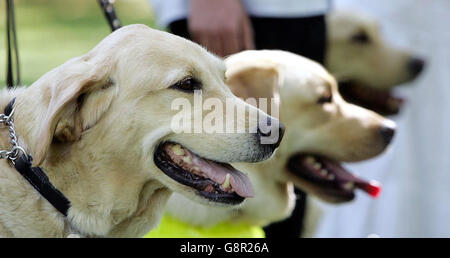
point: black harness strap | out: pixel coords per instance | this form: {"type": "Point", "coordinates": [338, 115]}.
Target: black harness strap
{"type": "Point", "coordinates": [38, 179]}
{"type": "Point", "coordinates": [11, 38]}
{"type": "Point", "coordinates": [110, 14]}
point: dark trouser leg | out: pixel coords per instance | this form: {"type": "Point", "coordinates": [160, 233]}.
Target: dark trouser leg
{"type": "Point", "coordinates": [303, 36]}
{"type": "Point", "coordinates": [180, 28]}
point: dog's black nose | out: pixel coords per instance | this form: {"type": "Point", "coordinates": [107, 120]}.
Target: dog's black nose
{"type": "Point", "coordinates": [268, 134]}
{"type": "Point", "coordinates": [416, 66]}
{"type": "Point", "coordinates": [387, 133]}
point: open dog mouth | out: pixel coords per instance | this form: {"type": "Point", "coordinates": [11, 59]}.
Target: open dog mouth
{"type": "Point", "coordinates": [380, 101]}
{"type": "Point", "coordinates": [215, 181]}
{"type": "Point", "coordinates": [330, 176]}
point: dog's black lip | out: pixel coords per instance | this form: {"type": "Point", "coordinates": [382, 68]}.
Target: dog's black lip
{"type": "Point", "coordinates": [329, 188]}
{"type": "Point", "coordinates": [172, 170]}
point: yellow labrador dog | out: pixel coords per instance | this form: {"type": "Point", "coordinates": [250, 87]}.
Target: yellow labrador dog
{"type": "Point", "coordinates": [321, 131]}
{"type": "Point", "coordinates": [99, 126]}
{"type": "Point", "coordinates": [370, 66]}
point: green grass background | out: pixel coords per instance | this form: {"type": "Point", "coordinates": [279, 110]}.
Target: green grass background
{"type": "Point", "coordinates": [52, 31]}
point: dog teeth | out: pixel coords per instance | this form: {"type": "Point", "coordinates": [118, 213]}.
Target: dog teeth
{"type": "Point", "coordinates": [177, 150]}
{"type": "Point", "coordinates": [323, 172]}
{"type": "Point", "coordinates": [187, 160]}
{"type": "Point", "coordinates": [226, 183]}
{"type": "Point", "coordinates": [317, 166]}
{"type": "Point", "coordinates": [349, 186]}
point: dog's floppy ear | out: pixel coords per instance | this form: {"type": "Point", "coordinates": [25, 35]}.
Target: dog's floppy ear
{"type": "Point", "coordinates": [76, 94]}
{"type": "Point", "coordinates": [253, 81]}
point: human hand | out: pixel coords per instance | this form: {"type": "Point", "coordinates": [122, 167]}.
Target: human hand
{"type": "Point", "coordinates": [222, 26]}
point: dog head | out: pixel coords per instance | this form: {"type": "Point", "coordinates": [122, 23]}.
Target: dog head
{"type": "Point", "coordinates": [322, 128]}
{"type": "Point", "coordinates": [113, 107]}
{"type": "Point", "coordinates": [370, 66]}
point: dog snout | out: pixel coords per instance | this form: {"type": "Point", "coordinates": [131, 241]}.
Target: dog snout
{"type": "Point", "coordinates": [268, 133]}
{"type": "Point", "coordinates": [387, 133]}
{"type": "Point", "coordinates": [416, 66]}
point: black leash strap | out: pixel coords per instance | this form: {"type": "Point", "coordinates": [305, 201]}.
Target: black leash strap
{"type": "Point", "coordinates": [38, 179]}
{"type": "Point", "coordinates": [34, 175]}
{"type": "Point", "coordinates": [110, 14]}
{"type": "Point", "coordinates": [11, 37]}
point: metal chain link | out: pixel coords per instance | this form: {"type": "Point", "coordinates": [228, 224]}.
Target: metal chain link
{"type": "Point", "coordinates": [15, 150]}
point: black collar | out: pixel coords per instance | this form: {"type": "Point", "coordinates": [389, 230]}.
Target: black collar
{"type": "Point", "coordinates": [38, 179]}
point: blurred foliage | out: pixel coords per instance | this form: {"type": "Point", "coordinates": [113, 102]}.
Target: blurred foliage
{"type": "Point", "coordinates": [52, 31]}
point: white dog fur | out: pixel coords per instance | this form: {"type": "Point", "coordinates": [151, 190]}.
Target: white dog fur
{"type": "Point", "coordinates": [92, 125]}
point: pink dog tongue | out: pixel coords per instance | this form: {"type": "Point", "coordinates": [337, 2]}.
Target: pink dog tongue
{"type": "Point", "coordinates": [218, 173]}
{"type": "Point", "coordinates": [372, 187]}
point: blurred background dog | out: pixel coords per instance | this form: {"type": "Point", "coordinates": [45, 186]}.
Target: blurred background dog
{"type": "Point", "coordinates": [367, 65]}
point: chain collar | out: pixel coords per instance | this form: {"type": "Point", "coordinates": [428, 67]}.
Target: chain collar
{"type": "Point", "coordinates": [23, 164]}
{"type": "Point", "coordinates": [13, 153]}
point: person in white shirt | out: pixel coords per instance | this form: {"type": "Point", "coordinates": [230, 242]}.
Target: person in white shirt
{"type": "Point", "coordinates": [226, 27]}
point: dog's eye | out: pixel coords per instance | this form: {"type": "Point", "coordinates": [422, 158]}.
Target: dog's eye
{"type": "Point", "coordinates": [188, 84]}
{"type": "Point", "coordinates": [327, 98]}
{"type": "Point", "coordinates": [361, 38]}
